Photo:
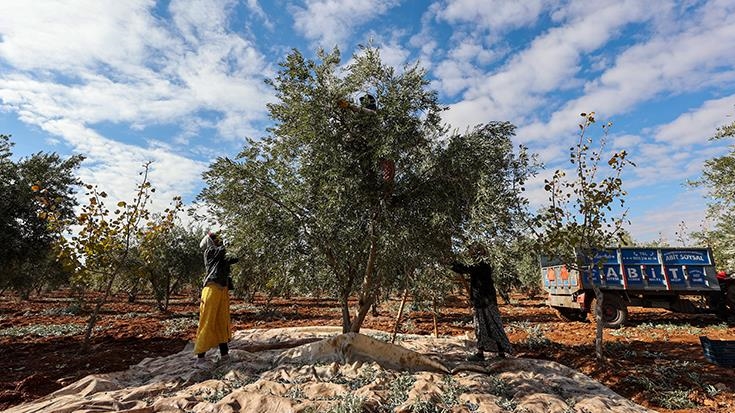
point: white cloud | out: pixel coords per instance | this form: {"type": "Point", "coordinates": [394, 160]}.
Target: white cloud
{"type": "Point", "coordinates": [463, 65]}
{"type": "Point", "coordinates": [201, 20]}
{"type": "Point", "coordinates": [697, 125]}
{"type": "Point", "coordinates": [73, 66]}
{"type": "Point", "coordinates": [330, 23]}
{"type": "Point", "coordinates": [424, 41]}
{"type": "Point", "coordinates": [218, 71]}
{"type": "Point", "coordinates": [114, 166]}
{"type": "Point", "coordinates": [675, 152]}
{"type": "Point", "coordinates": [393, 54]}
{"type": "Point", "coordinates": [535, 192]}
{"type": "Point", "coordinates": [551, 63]}
{"type": "Point", "coordinates": [624, 141]}
{"type": "Point", "coordinates": [56, 36]}
{"type": "Point", "coordinates": [255, 8]}
{"type": "Point", "coordinates": [493, 15]}
{"type": "Point", "coordinates": [690, 60]}
{"type": "Point", "coordinates": [665, 214]}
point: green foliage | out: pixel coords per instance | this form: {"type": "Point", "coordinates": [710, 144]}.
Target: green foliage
{"type": "Point", "coordinates": [536, 339]}
{"type": "Point", "coordinates": [30, 187]}
{"type": "Point", "coordinates": [451, 391]}
{"type": "Point", "coordinates": [674, 399]}
{"type": "Point", "coordinates": [218, 394]}
{"type": "Point", "coordinates": [295, 392]}
{"type": "Point", "coordinates": [169, 255]}
{"type": "Point", "coordinates": [176, 326]}
{"type": "Point", "coordinates": [515, 267]}
{"type": "Point", "coordinates": [718, 177]}
{"type": "Point", "coordinates": [427, 406]}
{"type": "Point", "coordinates": [345, 199]}
{"type": "Point", "coordinates": [398, 390]}
{"type": "Point", "coordinates": [670, 383]}
{"type": "Point", "coordinates": [367, 375]}
{"type": "Point", "coordinates": [499, 387]}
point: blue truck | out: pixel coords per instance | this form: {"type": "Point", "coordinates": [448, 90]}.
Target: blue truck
{"type": "Point", "coordinates": [678, 279]}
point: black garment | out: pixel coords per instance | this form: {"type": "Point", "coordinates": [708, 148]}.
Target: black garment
{"type": "Point", "coordinates": [488, 325]}
{"type": "Point", "coordinates": [224, 350]}
{"type": "Point", "coordinates": [217, 265]}
{"type": "Point", "coordinates": [489, 331]}
{"type": "Point", "coordinates": [482, 289]}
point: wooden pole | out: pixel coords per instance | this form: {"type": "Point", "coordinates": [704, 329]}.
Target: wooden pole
{"type": "Point", "coordinates": [398, 318]}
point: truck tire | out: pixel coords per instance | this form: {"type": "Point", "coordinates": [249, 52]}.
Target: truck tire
{"type": "Point", "coordinates": [614, 311]}
{"type": "Point", "coordinates": [570, 314]}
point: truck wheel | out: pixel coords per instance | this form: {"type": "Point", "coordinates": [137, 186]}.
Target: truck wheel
{"type": "Point", "coordinates": [614, 311]}
{"type": "Point", "coordinates": [570, 314]}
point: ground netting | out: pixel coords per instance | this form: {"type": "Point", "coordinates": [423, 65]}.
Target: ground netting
{"type": "Point", "coordinates": [317, 369]}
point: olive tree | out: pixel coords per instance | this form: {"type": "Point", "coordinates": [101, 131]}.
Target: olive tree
{"type": "Point", "coordinates": [358, 183]}
{"type": "Point", "coordinates": [718, 177]}
{"type": "Point", "coordinates": [170, 256]}
{"type": "Point", "coordinates": [27, 188]}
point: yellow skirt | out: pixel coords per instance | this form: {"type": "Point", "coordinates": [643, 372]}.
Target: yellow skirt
{"type": "Point", "coordinates": [214, 318]}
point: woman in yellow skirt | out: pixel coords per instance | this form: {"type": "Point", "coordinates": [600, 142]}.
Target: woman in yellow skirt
{"type": "Point", "coordinates": [214, 309]}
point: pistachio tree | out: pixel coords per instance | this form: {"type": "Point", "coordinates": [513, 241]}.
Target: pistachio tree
{"type": "Point", "coordinates": [586, 212]}
{"type": "Point", "coordinates": [105, 239]}
{"type": "Point", "coordinates": [358, 182]}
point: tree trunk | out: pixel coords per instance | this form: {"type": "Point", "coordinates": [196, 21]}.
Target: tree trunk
{"type": "Point", "coordinates": [93, 318]}
{"type": "Point", "coordinates": [398, 317]}
{"type": "Point", "coordinates": [504, 295]}
{"type": "Point", "coordinates": [367, 290]}
{"type": "Point", "coordinates": [599, 323]}
{"type": "Point", "coordinates": [133, 291]}
{"type": "Point", "coordinates": [346, 324]}
{"type": "Point", "coordinates": [361, 313]}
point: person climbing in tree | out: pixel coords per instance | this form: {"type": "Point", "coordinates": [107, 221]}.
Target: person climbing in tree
{"type": "Point", "coordinates": [214, 308]}
{"type": "Point", "coordinates": [488, 325]}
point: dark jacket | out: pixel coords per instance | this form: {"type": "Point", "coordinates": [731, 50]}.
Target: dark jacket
{"type": "Point", "coordinates": [482, 289]}
{"type": "Point", "coordinates": [217, 265]}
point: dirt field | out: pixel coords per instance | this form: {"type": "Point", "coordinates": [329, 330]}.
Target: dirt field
{"type": "Point", "coordinates": [656, 360]}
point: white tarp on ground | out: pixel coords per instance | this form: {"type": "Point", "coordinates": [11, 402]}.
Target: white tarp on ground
{"type": "Point", "coordinates": [315, 369]}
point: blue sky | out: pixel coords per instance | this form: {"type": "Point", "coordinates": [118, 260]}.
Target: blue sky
{"type": "Point", "coordinates": [182, 82]}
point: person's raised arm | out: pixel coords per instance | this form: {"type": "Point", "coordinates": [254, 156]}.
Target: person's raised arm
{"type": "Point", "coordinates": [460, 268]}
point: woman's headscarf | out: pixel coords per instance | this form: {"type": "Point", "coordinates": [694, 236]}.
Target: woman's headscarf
{"type": "Point", "coordinates": [207, 242]}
